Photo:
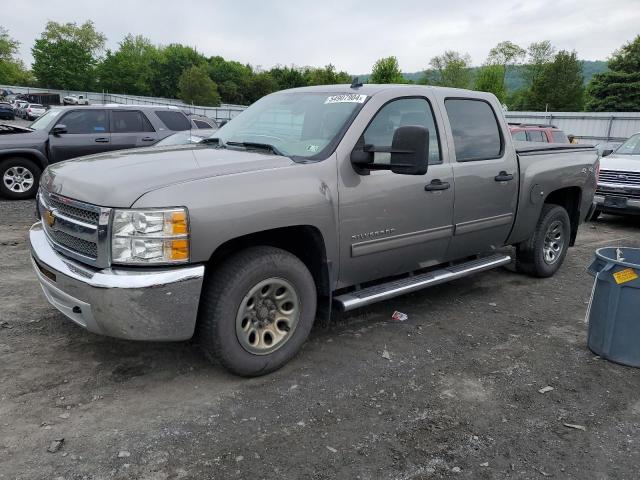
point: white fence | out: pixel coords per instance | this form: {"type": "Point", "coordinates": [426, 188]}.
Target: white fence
{"type": "Point", "coordinates": [223, 112]}
{"type": "Point", "coordinates": [588, 127]}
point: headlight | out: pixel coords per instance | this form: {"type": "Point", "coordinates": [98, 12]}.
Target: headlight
{"type": "Point", "coordinates": [150, 236]}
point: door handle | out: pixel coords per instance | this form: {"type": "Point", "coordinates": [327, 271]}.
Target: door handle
{"type": "Point", "coordinates": [101, 140]}
{"type": "Point", "coordinates": [147, 139]}
{"type": "Point", "coordinates": [437, 184]}
{"type": "Point", "coordinates": [503, 177]}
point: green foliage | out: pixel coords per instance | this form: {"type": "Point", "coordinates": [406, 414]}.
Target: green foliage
{"type": "Point", "coordinates": [196, 87]}
{"type": "Point", "coordinates": [490, 78]}
{"type": "Point", "coordinates": [233, 79]}
{"type": "Point", "coordinates": [451, 69]}
{"type": "Point", "coordinates": [169, 65]}
{"type": "Point", "coordinates": [324, 76]}
{"type": "Point", "coordinates": [506, 53]}
{"type": "Point", "coordinates": [559, 86]}
{"type": "Point", "coordinates": [12, 71]}
{"type": "Point", "coordinates": [65, 55]}
{"type": "Point", "coordinates": [288, 77]}
{"type": "Point", "coordinates": [618, 90]}
{"type": "Point", "coordinates": [386, 70]}
{"type": "Point", "coordinates": [130, 68]}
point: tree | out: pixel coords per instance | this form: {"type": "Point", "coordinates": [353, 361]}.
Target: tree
{"type": "Point", "coordinates": [506, 54]}
{"type": "Point", "coordinates": [233, 79]}
{"type": "Point", "coordinates": [490, 78]}
{"type": "Point", "coordinates": [262, 84]}
{"type": "Point", "coordinates": [451, 69]}
{"type": "Point", "coordinates": [169, 65]}
{"type": "Point", "coordinates": [324, 76]}
{"type": "Point", "coordinates": [66, 54]}
{"type": "Point", "coordinates": [12, 71]}
{"type": "Point", "coordinates": [130, 68]}
{"type": "Point", "coordinates": [386, 70]}
{"type": "Point", "coordinates": [539, 54]}
{"type": "Point", "coordinates": [196, 87]}
{"type": "Point", "coordinates": [617, 90]}
{"type": "Point", "coordinates": [560, 86]}
{"type": "Point", "coordinates": [288, 77]}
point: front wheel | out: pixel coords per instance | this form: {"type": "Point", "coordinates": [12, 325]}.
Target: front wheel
{"type": "Point", "coordinates": [19, 178]}
{"type": "Point", "coordinates": [543, 254]}
{"type": "Point", "coordinates": [256, 310]}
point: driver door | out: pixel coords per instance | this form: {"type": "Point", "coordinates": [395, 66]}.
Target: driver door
{"type": "Point", "coordinates": [87, 133]}
{"type": "Point", "coordinates": [392, 223]}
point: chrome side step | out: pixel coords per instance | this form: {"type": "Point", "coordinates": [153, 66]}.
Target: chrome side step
{"type": "Point", "coordinates": [384, 291]}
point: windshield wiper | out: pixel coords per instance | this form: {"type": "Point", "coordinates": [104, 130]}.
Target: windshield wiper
{"type": "Point", "coordinates": [257, 145]}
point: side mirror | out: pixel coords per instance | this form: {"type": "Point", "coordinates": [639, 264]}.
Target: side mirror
{"type": "Point", "coordinates": [222, 123]}
{"type": "Point", "coordinates": [607, 152]}
{"type": "Point", "coordinates": [58, 129]}
{"type": "Point", "coordinates": [409, 153]}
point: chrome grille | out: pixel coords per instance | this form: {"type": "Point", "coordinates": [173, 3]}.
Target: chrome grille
{"type": "Point", "coordinates": [619, 177]}
{"type": "Point", "coordinates": [84, 247]}
{"type": "Point", "coordinates": [78, 230]}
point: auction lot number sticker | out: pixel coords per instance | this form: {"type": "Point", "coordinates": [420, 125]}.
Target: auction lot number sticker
{"type": "Point", "coordinates": [624, 276]}
{"type": "Point", "coordinates": [346, 98]}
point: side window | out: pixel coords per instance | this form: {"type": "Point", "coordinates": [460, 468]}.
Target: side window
{"type": "Point", "coordinates": [559, 136]}
{"type": "Point", "coordinates": [86, 121]}
{"type": "Point", "coordinates": [536, 136]}
{"type": "Point", "coordinates": [476, 134]}
{"type": "Point", "coordinates": [520, 135]}
{"type": "Point", "coordinates": [202, 124]}
{"type": "Point", "coordinates": [129, 121]}
{"type": "Point", "coordinates": [399, 113]}
{"type": "Point", "coordinates": [175, 121]}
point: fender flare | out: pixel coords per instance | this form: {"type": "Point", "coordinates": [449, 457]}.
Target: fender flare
{"type": "Point", "coordinates": [42, 160]}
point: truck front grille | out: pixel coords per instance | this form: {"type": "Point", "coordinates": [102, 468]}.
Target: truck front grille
{"type": "Point", "coordinates": [76, 229]}
{"type": "Point", "coordinates": [620, 177]}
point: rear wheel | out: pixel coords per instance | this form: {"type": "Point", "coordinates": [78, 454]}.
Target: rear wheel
{"type": "Point", "coordinates": [19, 178]}
{"type": "Point", "coordinates": [543, 254]}
{"type": "Point", "coordinates": [257, 310]}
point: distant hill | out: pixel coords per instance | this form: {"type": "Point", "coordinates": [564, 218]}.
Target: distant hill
{"type": "Point", "coordinates": [514, 78]}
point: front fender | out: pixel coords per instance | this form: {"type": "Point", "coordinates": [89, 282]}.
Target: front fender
{"type": "Point", "coordinates": [37, 155]}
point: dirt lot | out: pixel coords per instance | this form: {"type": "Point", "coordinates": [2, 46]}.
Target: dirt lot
{"type": "Point", "coordinates": [457, 398]}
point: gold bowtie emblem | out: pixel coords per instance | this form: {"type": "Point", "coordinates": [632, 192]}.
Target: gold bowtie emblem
{"type": "Point", "coordinates": [49, 217]}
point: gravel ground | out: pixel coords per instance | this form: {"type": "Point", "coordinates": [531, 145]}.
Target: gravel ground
{"type": "Point", "coordinates": [457, 397]}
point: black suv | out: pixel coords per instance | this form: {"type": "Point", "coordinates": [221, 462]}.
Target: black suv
{"type": "Point", "coordinates": [69, 132]}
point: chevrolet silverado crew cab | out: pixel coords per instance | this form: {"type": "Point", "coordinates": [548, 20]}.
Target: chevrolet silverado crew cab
{"type": "Point", "coordinates": [618, 190]}
{"type": "Point", "coordinates": [68, 132]}
{"type": "Point", "coordinates": [311, 198]}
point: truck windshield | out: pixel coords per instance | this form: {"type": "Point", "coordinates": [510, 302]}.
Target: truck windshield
{"type": "Point", "coordinates": [630, 147]}
{"type": "Point", "coordinates": [45, 120]}
{"type": "Point", "coordinates": [296, 124]}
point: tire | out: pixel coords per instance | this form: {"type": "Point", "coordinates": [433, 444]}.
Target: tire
{"type": "Point", "coordinates": [595, 215]}
{"type": "Point", "coordinates": [26, 170]}
{"type": "Point", "coordinates": [543, 253]}
{"type": "Point", "coordinates": [231, 308]}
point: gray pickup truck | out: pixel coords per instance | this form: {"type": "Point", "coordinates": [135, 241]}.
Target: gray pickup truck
{"type": "Point", "coordinates": [312, 198]}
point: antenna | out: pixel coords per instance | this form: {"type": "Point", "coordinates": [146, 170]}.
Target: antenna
{"type": "Point", "coordinates": [356, 83]}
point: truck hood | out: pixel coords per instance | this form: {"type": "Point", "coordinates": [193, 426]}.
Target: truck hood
{"type": "Point", "coordinates": [625, 163]}
{"type": "Point", "coordinates": [118, 179]}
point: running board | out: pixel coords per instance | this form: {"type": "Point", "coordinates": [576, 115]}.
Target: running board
{"type": "Point", "coordinates": [384, 291]}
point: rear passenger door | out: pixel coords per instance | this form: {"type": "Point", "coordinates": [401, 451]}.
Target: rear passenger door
{"type": "Point", "coordinates": [87, 132]}
{"type": "Point", "coordinates": [485, 175]}
{"type": "Point", "coordinates": [131, 129]}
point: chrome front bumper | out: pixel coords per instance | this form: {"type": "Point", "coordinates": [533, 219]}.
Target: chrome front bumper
{"type": "Point", "coordinates": [130, 303]}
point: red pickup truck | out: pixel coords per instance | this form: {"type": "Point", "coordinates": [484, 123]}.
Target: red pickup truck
{"type": "Point", "coordinates": [537, 133]}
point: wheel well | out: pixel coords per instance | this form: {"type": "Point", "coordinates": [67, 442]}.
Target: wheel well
{"type": "Point", "coordinates": [569, 199]}
{"type": "Point", "coordinates": [27, 155]}
{"type": "Point", "coordinates": [303, 241]}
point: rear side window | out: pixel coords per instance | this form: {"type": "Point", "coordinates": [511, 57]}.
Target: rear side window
{"type": "Point", "coordinates": [559, 136]}
{"type": "Point", "coordinates": [86, 121]}
{"type": "Point", "coordinates": [520, 135]}
{"type": "Point", "coordinates": [202, 124]}
{"type": "Point", "coordinates": [536, 136]}
{"type": "Point", "coordinates": [175, 121]}
{"type": "Point", "coordinates": [476, 134]}
{"type": "Point", "coordinates": [123, 121]}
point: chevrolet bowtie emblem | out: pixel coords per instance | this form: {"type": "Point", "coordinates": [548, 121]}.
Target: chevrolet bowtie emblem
{"type": "Point", "coordinates": [49, 217]}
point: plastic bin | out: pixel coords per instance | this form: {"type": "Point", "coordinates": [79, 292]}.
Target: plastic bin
{"type": "Point", "coordinates": [614, 308]}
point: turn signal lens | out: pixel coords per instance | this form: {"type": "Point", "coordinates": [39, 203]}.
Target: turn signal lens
{"type": "Point", "coordinates": [178, 223]}
{"type": "Point", "coordinates": [178, 250]}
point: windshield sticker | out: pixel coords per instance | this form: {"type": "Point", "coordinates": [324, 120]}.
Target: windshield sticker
{"type": "Point", "coordinates": [313, 148]}
{"type": "Point", "coordinates": [346, 98]}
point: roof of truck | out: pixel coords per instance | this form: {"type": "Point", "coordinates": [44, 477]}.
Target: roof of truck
{"type": "Point", "coordinates": [373, 88]}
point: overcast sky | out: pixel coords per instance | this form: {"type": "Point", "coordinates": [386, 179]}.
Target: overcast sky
{"type": "Point", "coordinates": [350, 34]}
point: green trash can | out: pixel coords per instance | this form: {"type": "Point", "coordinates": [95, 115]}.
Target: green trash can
{"type": "Point", "coordinates": [614, 308]}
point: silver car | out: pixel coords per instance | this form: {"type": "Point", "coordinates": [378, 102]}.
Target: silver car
{"type": "Point", "coordinates": [618, 190]}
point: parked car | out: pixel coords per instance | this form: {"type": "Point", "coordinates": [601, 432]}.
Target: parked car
{"type": "Point", "coordinates": [608, 147]}
{"type": "Point", "coordinates": [75, 100]}
{"type": "Point", "coordinates": [618, 190]}
{"type": "Point", "coordinates": [19, 106]}
{"type": "Point", "coordinates": [200, 121]}
{"type": "Point", "coordinates": [185, 138]}
{"type": "Point", "coordinates": [69, 132]}
{"type": "Point", "coordinates": [311, 197]}
{"type": "Point", "coordinates": [537, 133]}
{"type": "Point", "coordinates": [6, 111]}
{"type": "Point", "coordinates": [33, 111]}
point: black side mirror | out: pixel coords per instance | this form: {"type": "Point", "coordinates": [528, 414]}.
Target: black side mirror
{"type": "Point", "coordinates": [607, 152]}
{"type": "Point", "coordinates": [58, 129]}
{"type": "Point", "coordinates": [222, 123]}
{"type": "Point", "coordinates": [409, 153]}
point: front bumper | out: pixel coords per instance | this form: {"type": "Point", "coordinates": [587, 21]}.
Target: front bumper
{"type": "Point", "coordinates": [129, 303]}
{"type": "Point", "coordinates": [632, 206]}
